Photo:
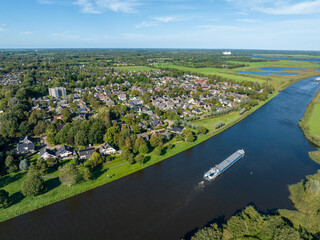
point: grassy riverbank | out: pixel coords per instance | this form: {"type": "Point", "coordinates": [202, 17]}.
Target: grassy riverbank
{"type": "Point", "coordinates": [310, 121]}
{"type": "Point", "coordinates": [305, 195]}
{"type": "Point", "coordinates": [110, 172]}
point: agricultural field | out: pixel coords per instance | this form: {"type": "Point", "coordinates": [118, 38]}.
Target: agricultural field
{"type": "Point", "coordinates": [276, 80]}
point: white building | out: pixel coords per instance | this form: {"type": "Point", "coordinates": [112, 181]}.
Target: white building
{"type": "Point", "coordinates": [227, 53]}
{"type": "Point", "coordinates": [58, 92]}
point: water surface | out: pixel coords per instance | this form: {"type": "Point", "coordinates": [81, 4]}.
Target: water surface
{"type": "Point", "coordinates": [280, 68]}
{"type": "Point", "coordinates": [292, 59]}
{"type": "Point", "coordinates": [166, 200]}
{"type": "Point", "coordinates": [269, 73]}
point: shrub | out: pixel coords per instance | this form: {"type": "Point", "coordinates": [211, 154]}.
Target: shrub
{"type": "Point", "coordinates": [87, 175]}
{"type": "Point", "coordinates": [69, 175]}
{"type": "Point", "coordinates": [219, 125]}
{"type": "Point", "coordinates": [32, 186]}
{"type": "Point", "coordinates": [140, 159]}
{"type": "Point", "coordinates": [4, 198]}
{"type": "Point", "coordinates": [24, 165]}
{"type": "Point", "coordinates": [242, 111]}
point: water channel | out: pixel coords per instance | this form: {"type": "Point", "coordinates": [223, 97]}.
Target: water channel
{"type": "Point", "coordinates": [166, 201]}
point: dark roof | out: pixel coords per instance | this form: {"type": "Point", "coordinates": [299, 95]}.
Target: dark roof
{"type": "Point", "coordinates": [86, 152]}
{"type": "Point", "coordinates": [44, 150]}
{"type": "Point", "coordinates": [60, 126]}
{"type": "Point", "coordinates": [154, 122]}
{"type": "Point", "coordinates": [25, 147]}
{"type": "Point", "coordinates": [62, 149]}
{"type": "Point", "coordinates": [177, 129]}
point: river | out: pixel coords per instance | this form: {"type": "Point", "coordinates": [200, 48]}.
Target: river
{"type": "Point", "coordinates": [166, 201]}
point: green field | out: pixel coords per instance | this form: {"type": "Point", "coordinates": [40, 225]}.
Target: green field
{"type": "Point", "coordinates": [313, 122]}
{"type": "Point", "coordinates": [209, 123]}
{"type": "Point", "coordinates": [276, 80]}
{"type": "Point", "coordinates": [310, 121]}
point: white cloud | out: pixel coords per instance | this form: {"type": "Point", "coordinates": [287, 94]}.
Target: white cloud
{"type": "Point", "coordinates": [165, 19]}
{"type": "Point", "coordinates": [127, 6]}
{"type": "Point", "coordinates": [280, 7]}
{"type": "Point", "coordinates": [3, 27]}
{"type": "Point", "coordinates": [87, 7]}
{"type": "Point", "coordinates": [247, 20]}
{"type": "Point", "coordinates": [147, 24]}
{"type": "Point", "coordinates": [26, 33]}
{"type": "Point", "coordinates": [309, 7]}
{"type": "Point", "coordinates": [99, 6]}
{"type": "Point", "coordinates": [46, 2]}
{"type": "Point", "coordinates": [157, 20]}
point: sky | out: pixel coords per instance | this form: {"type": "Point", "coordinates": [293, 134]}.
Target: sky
{"type": "Point", "coordinates": [208, 24]}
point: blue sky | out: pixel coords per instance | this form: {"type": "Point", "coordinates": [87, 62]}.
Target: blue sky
{"type": "Point", "coordinates": [227, 24]}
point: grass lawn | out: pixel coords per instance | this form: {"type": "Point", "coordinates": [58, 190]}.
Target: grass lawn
{"type": "Point", "coordinates": [110, 172]}
{"type": "Point", "coordinates": [210, 122]}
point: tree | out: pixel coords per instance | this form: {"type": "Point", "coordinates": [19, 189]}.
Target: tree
{"type": "Point", "coordinates": [66, 114]}
{"type": "Point", "coordinates": [189, 136]}
{"type": "Point", "coordinates": [33, 170]}
{"type": "Point", "coordinates": [237, 226]}
{"type": "Point", "coordinates": [81, 138]}
{"type": "Point", "coordinates": [24, 165]}
{"type": "Point", "coordinates": [69, 175]}
{"type": "Point", "coordinates": [42, 166]}
{"type": "Point", "coordinates": [158, 150]}
{"type": "Point", "coordinates": [4, 198]}
{"type": "Point", "coordinates": [95, 160]}
{"type": "Point", "coordinates": [156, 139]}
{"type": "Point", "coordinates": [40, 128]}
{"type": "Point", "coordinates": [202, 130]}
{"type": "Point", "coordinates": [87, 175]}
{"type": "Point", "coordinates": [140, 159]}
{"type": "Point", "coordinates": [144, 149]}
{"type": "Point", "coordinates": [211, 233]}
{"type": "Point", "coordinates": [10, 164]}
{"type": "Point", "coordinates": [127, 156]}
{"type": "Point", "coordinates": [33, 186]}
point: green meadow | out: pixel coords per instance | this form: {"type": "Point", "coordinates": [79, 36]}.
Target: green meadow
{"type": "Point", "coordinates": [279, 82]}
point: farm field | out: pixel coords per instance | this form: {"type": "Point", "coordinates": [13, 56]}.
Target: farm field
{"type": "Point", "coordinates": [276, 80]}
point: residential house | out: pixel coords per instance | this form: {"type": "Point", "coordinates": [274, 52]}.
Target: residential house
{"type": "Point", "coordinates": [122, 96]}
{"type": "Point", "coordinates": [25, 146]}
{"type": "Point", "coordinates": [178, 129]}
{"type": "Point", "coordinates": [65, 152]}
{"type": "Point", "coordinates": [86, 153]}
{"type": "Point", "coordinates": [46, 154]}
{"type": "Point", "coordinates": [145, 136]}
{"type": "Point", "coordinates": [107, 149]}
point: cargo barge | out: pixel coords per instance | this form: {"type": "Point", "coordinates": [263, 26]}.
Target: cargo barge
{"type": "Point", "coordinates": [223, 166]}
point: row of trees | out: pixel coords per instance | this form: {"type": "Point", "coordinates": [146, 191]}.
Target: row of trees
{"type": "Point", "coordinates": [249, 224]}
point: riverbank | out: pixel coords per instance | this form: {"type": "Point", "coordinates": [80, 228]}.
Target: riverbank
{"type": "Point", "coordinates": [110, 172]}
{"type": "Point", "coordinates": [305, 194]}
{"type": "Point", "coordinates": [303, 222]}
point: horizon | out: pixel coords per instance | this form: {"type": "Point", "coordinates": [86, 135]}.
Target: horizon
{"type": "Point", "coordinates": [119, 48]}
{"type": "Point", "coordinates": [208, 24]}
